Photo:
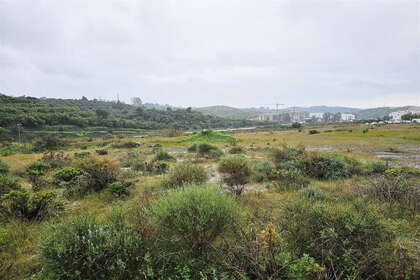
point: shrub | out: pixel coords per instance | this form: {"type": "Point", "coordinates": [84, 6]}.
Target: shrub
{"type": "Point", "coordinates": [289, 179]}
{"type": "Point", "coordinates": [67, 174]}
{"type": "Point", "coordinates": [4, 168]}
{"type": "Point", "coordinates": [375, 167]}
{"type": "Point", "coordinates": [48, 143]}
{"type": "Point", "coordinates": [127, 145]}
{"type": "Point", "coordinates": [236, 150]}
{"type": "Point", "coordinates": [236, 172]}
{"type": "Point", "coordinates": [262, 170]}
{"type": "Point", "coordinates": [163, 156]}
{"type": "Point", "coordinates": [312, 193]}
{"type": "Point", "coordinates": [101, 152]}
{"type": "Point", "coordinates": [210, 151]}
{"type": "Point", "coordinates": [20, 204]}
{"type": "Point", "coordinates": [192, 148]}
{"type": "Point", "coordinates": [81, 154]}
{"type": "Point", "coordinates": [119, 189]}
{"type": "Point", "coordinates": [313, 131]}
{"type": "Point", "coordinates": [394, 190]}
{"type": "Point", "coordinates": [263, 254]}
{"type": "Point", "coordinates": [138, 165]}
{"type": "Point", "coordinates": [325, 166]}
{"type": "Point", "coordinates": [8, 184]}
{"type": "Point", "coordinates": [82, 248]}
{"type": "Point", "coordinates": [37, 168]}
{"type": "Point", "coordinates": [98, 173]}
{"type": "Point", "coordinates": [344, 238]}
{"type": "Point", "coordinates": [196, 215]}
{"type": "Point", "coordinates": [55, 159]}
{"type": "Point", "coordinates": [185, 173]}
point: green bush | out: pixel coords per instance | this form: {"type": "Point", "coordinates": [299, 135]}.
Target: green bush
{"type": "Point", "coordinates": [119, 189]}
{"type": "Point", "coordinates": [4, 168]}
{"type": "Point", "coordinates": [98, 173]}
{"type": "Point", "coordinates": [37, 168]}
{"type": "Point", "coordinates": [236, 150]}
{"type": "Point", "coordinates": [7, 184]}
{"type": "Point", "coordinates": [163, 156]}
{"type": "Point", "coordinates": [20, 204]}
{"type": "Point", "coordinates": [55, 159]}
{"type": "Point", "coordinates": [325, 166]}
{"type": "Point", "coordinates": [138, 165]}
{"type": "Point", "coordinates": [193, 148]}
{"type": "Point", "coordinates": [196, 215]}
{"type": "Point", "coordinates": [207, 150]}
{"type": "Point", "coordinates": [262, 170]}
{"type": "Point", "coordinates": [313, 131]}
{"type": "Point", "coordinates": [397, 191]}
{"type": "Point", "coordinates": [127, 145]}
{"type": "Point", "coordinates": [101, 152]}
{"type": "Point", "coordinates": [375, 167]}
{"type": "Point", "coordinates": [82, 248]}
{"type": "Point", "coordinates": [81, 154]}
{"type": "Point", "coordinates": [344, 238]}
{"type": "Point", "coordinates": [236, 172]}
{"type": "Point", "coordinates": [185, 173]}
{"type": "Point", "coordinates": [67, 174]}
{"type": "Point", "coordinates": [312, 193]}
{"type": "Point", "coordinates": [289, 179]}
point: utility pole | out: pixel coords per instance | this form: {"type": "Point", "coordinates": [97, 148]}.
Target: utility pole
{"type": "Point", "coordinates": [19, 126]}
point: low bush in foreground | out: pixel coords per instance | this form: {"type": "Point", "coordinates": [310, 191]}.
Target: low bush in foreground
{"type": "Point", "coordinates": [7, 184]}
{"type": "Point", "coordinates": [196, 215]}
{"type": "Point", "coordinates": [82, 248]}
{"type": "Point", "coordinates": [185, 173]}
{"type": "Point", "coordinates": [4, 168]}
{"type": "Point", "coordinates": [21, 204]}
{"type": "Point", "coordinates": [344, 238]}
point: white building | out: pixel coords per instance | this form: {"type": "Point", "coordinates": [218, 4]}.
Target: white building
{"type": "Point", "coordinates": [348, 117]}
{"type": "Point", "coordinates": [316, 115]}
{"type": "Point", "coordinates": [396, 116]}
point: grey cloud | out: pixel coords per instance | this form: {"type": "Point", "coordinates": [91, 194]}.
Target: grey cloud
{"type": "Point", "coordinates": [238, 52]}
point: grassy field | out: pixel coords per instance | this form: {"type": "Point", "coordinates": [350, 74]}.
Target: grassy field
{"type": "Point", "coordinates": [265, 200]}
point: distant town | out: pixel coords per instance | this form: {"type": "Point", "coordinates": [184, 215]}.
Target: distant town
{"type": "Point", "coordinates": [405, 116]}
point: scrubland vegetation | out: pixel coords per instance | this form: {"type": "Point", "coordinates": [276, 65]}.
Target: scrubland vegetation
{"type": "Point", "coordinates": [255, 205]}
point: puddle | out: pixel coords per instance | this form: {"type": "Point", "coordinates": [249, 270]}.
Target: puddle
{"type": "Point", "coordinates": [322, 148]}
{"type": "Point", "coordinates": [398, 156]}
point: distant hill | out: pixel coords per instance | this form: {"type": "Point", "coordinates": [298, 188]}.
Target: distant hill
{"type": "Point", "coordinates": [380, 112]}
{"type": "Point", "coordinates": [34, 113]}
{"type": "Point", "coordinates": [227, 112]}
{"type": "Point", "coordinates": [245, 113]}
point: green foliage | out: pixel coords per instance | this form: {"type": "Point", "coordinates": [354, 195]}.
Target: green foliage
{"type": "Point", "coordinates": [262, 170]}
{"type": "Point", "coordinates": [185, 173]}
{"type": "Point", "coordinates": [81, 154]}
{"type": "Point", "coordinates": [313, 131]}
{"type": "Point", "coordinates": [289, 179]}
{"type": "Point", "coordinates": [163, 156]}
{"type": "Point", "coordinates": [127, 145]}
{"type": "Point", "coordinates": [138, 165]}
{"type": "Point", "coordinates": [344, 238]}
{"type": "Point", "coordinates": [56, 159]}
{"type": "Point", "coordinates": [402, 171]}
{"type": "Point", "coordinates": [37, 168]}
{"type": "Point", "coordinates": [97, 175]}
{"type": "Point", "coordinates": [7, 184]}
{"type": "Point", "coordinates": [20, 204]}
{"type": "Point", "coordinates": [82, 248]}
{"type": "Point", "coordinates": [312, 192]}
{"type": "Point", "coordinates": [4, 168]}
{"type": "Point", "coordinates": [326, 166]}
{"type": "Point", "coordinates": [193, 148]}
{"type": "Point", "coordinates": [375, 167]}
{"type": "Point", "coordinates": [236, 150]}
{"type": "Point", "coordinates": [397, 191]}
{"type": "Point", "coordinates": [196, 215]}
{"type": "Point", "coordinates": [80, 113]}
{"type": "Point", "coordinates": [208, 150]}
{"type": "Point", "coordinates": [67, 174]}
{"type": "Point", "coordinates": [119, 189]}
{"type": "Point", "coordinates": [210, 136]}
{"type": "Point", "coordinates": [236, 172]}
{"type": "Point", "coordinates": [101, 152]}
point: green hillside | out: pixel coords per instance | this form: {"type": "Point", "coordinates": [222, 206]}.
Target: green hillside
{"type": "Point", "coordinates": [227, 112]}
{"type": "Point", "coordinates": [41, 113]}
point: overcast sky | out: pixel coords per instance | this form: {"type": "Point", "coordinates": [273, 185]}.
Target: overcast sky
{"type": "Point", "coordinates": [208, 52]}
